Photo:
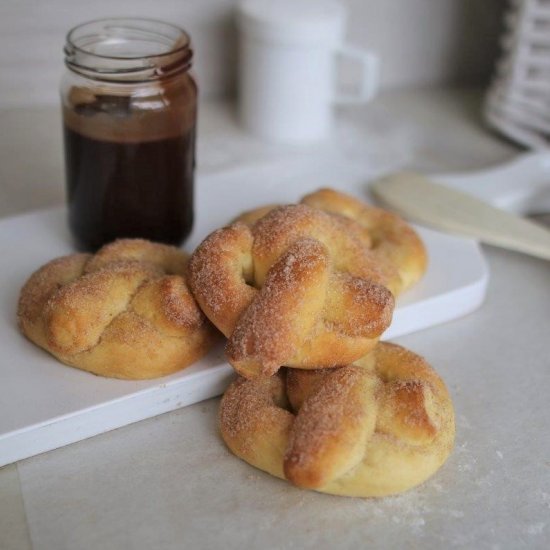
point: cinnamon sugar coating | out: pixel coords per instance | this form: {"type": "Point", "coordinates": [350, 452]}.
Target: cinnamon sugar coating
{"type": "Point", "coordinates": [299, 288]}
{"type": "Point", "coordinates": [378, 427]}
{"type": "Point", "coordinates": [394, 244]}
{"type": "Point", "coordinates": [125, 312]}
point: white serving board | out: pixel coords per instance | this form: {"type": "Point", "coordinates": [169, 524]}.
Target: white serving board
{"type": "Point", "coordinates": [45, 405]}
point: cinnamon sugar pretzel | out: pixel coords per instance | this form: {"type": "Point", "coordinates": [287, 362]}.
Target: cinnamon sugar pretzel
{"type": "Point", "coordinates": [299, 288]}
{"type": "Point", "coordinates": [378, 427]}
{"type": "Point", "coordinates": [125, 312]}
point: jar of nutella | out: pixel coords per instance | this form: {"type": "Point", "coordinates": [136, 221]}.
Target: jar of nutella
{"type": "Point", "coordinates": [129, 115]}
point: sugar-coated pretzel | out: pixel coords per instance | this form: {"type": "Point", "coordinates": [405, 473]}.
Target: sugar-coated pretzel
{"type": "Point", "coordinates": [299, 288]}
{"type": "Point", "coordinates": [125, 312]}
{"type": "Point", "coordinates": [378, 427]}
{"type": "Point", "coordinates": [392, 240]}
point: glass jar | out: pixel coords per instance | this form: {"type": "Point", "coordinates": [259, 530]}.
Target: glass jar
{"type": "Point", "coordinates": [129, 116]}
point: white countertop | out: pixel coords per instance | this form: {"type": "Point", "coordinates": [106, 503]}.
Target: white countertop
{"type": "Point", "coordinates": [169, 482]}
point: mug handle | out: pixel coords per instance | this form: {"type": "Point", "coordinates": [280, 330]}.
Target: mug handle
{"type": "Point", "coordinates": [370, 76]}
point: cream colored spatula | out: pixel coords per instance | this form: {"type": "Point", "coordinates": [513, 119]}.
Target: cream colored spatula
{"type": "Point", "coordinates": [422, 201]}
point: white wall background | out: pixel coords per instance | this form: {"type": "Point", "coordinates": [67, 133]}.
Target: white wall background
{"type": "Point", "coordinates": [421, 42]}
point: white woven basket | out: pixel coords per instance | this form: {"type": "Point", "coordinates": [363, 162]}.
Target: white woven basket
{"type": "Point", "coordinates": [518, 102]}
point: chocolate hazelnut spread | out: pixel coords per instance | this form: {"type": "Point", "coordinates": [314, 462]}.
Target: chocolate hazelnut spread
{"type": "Point", "coordinates": [130, 146]}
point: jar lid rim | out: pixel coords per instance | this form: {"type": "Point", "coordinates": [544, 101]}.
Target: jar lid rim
{"type": "Point", "coordinates": [181, 47]}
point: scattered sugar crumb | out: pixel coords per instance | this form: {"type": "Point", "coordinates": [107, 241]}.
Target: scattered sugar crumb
{"type": "Point", "coordinates": [417, 522]}
{"type": "Point", "coordinates": [535, 528]}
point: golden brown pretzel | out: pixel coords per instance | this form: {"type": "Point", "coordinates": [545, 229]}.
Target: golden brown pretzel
{"type": "Point", "coordinates": [393, 241]}
{"type": "Point", "coordinates": [375, 428]}
{"type": "Point", "coordinates": [299, 288]}
{"type": "Point", "coordinates": [125, 312]}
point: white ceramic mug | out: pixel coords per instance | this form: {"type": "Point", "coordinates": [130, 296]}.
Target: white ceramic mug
{"type": "Point", "coordinates": [289, 51]}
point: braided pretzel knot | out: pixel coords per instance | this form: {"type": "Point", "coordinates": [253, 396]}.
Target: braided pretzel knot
{"type": "Point", "coordinates": [299, 288]}
{"type": "Point", "coordinates": [375, 428]}
{"type": "Point", "coordinates": [125, 312]}
{"type": "Point", "coordinates": [392, 241]}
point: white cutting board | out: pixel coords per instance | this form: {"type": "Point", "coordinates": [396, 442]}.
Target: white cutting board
{"type": "Point", "coordinates": [45, 405]}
